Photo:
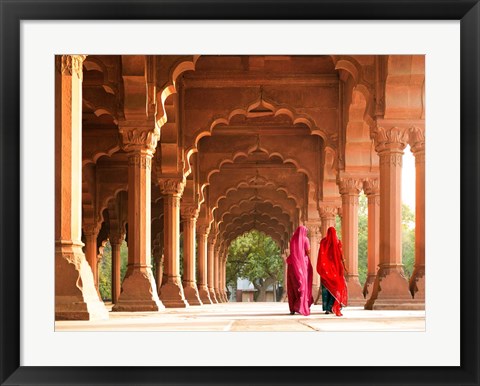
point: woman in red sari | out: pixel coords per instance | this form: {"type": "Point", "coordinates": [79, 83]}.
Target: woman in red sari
{"type": "Point", "coordinates": [331, 268]}
{"type": "Point", "coordinates": [299, 273]}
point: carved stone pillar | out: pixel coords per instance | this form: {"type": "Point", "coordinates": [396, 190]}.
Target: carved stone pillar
{"type": "Point", "coordinates": [211, 269]}
{"type": "Point", "coordinates": [219, 275]}
{"type": "Point", "coordinates": [159, 265]}
{"type": "Point", "coordinates": [75, 295]}
{"type": "Point", "coordinates": [417, 281]}
{"type": "Point", "coordinates": [390, 290]}
{"type": "Point", "coordinates": [315, 236]}
{"type": "Point", "coordinates": [116, 242]}
{"type": "Point", "coordinates": [139, 292]}
{"type": "Point", "coordinates": [91, 233]}
{"type": "Point", "coordinates": [202, 284]}
{"type": "Point", "coordinates": [189, 215]}
{"type": "Point", "coordinates": [216, 276]}
{"type": "Point", "coordinates": [171, 292]}
{"type": "Point", "coordinates": [372, 190]}
{"type": "Point", "coordinates": [223, 280]}
{"type": "Point", "coordinates": [350, 189]}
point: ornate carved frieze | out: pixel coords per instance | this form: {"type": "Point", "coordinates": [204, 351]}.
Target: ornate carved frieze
{"type": "Point", "coordinates": [70, 65]}
{"type": "Point", "coordinates": [171, 186]}
{"type": "Point", "coordinates": [389, 159]}
{"type": "Point", "coordinates": [144, 161]}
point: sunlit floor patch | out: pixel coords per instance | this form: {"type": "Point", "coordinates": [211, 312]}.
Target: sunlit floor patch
{"type": "Point", "coordinates": [252, 317]}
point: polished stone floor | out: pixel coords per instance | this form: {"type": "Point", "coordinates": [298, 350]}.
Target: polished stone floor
{"type": "Point", "coordinates": [251, 317]}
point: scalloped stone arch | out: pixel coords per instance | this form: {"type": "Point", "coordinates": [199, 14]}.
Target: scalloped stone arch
{"type": "Point", "coordinates": [277, 111]}
{"type": "Point", "coordinates": [248, 227]}
{"type": "Point", "coordinates": [276, 238]}
{"type": "Point", "coordinates": [92, 63]}
{"type": "Point", "coordinates": [241, 153]}
{"type": "Point", "coordinates": [171, 87]}
{"type": "Point", "coordinates": [245, 184]}
{"type": "Point", "coordinates": [282, 198]}
{"type": "Point", "coordinates": [245, 201]}
{"type": "Point", "coordinates": [280, 217]}
{"type": "Point", "coordinates": [110, 196]}
{"type": "Point", "coordinates": [351, 66]}
{"type": "Point", "coordinates": [252, 216]}
{"type": "Point", "coordinates": [108, 153]}
{"type": "Point", "coordinates": [246, 217]}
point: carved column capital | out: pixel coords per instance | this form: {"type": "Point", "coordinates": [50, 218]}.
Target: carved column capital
{"type": "Point", "coordinates": [417, 142]}
{"type": "Point", "coordinates": [90, 229]}
{"type": "Point", "coordinates": [203, 230]}
{"type": "Point", "coordinates": [70, 65]}
{"type": "Point", "coordinates": [171, 186]}
{"type": "Point", "coordinates": [390, 138]}
{"type": "Point", "coordinates": [189, 212]}
{"type": "Point", "coordinates": [139, 138]}
{"type": "Point", "coordinates": [350, 186]}
{"type": "Point", "coordinates": [212, 239]}
{"type": "Point", "coordinates": [328, 212]}
{"type": "Point", "coordinates": [371, 186]}
{"type": "Point", "coordinates": [116, 238]}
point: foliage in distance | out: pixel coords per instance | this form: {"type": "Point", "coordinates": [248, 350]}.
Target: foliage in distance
{"type": "Point", "coordinates": [256, 257]}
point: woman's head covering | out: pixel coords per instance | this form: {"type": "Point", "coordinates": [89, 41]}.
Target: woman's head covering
{"type": "Point", "coordinates": [297, 257]}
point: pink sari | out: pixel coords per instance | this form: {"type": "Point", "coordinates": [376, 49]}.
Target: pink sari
{"type": "Point", "coordinates": [299, 273]}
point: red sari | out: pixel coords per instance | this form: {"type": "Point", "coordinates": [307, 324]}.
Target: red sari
{"type": "Point", "coordinates": [331, 270]}
{"type": "Point", "coordinates": [299, 273]}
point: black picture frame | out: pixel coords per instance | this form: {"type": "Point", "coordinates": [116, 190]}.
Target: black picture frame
{"type": "Point", "coordinates": [12, 12]}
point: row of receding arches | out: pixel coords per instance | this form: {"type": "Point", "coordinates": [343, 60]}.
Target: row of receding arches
{"type": "Point", "coordinates": [258, 163]}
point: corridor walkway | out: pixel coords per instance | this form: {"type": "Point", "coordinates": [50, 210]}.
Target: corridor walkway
{"type": "Point", "coordinates": [251, 317]}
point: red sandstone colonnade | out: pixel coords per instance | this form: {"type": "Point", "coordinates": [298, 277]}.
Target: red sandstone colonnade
{"type": "Point", "coordinates": [152, 147]}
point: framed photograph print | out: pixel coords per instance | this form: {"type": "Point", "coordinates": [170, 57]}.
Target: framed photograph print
{"type": "Point", "coordinates": [238, 193]}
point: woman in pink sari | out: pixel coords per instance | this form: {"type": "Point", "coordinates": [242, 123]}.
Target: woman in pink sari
{"type": "Point", "coordinates": [299, 273]}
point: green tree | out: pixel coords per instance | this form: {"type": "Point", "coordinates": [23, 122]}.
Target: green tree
{"type": "Point", "coordinates": [256, 257]}
{"type": "Point", "coordinates": [123, 259]}
{"type": "Point", "coordinates": [105, 273]}
{"type": "Point", "coordinates": [408, 239]}
{"type": "Point", "coordinates": [362, 238]}
{"type": "Point", "coordinates": [105, 269]}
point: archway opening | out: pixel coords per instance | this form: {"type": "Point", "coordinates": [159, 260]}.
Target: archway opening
{"type": "Point", "coordinates": [105, 269]}
{"type": "Point", "coordinates": [255, 269]}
